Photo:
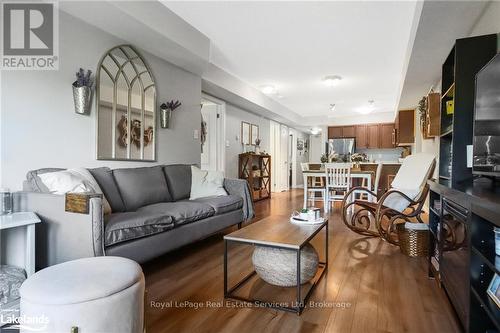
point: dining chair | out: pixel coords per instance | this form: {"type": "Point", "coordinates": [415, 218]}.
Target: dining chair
{"type": "Point", "coordinates": [338, 182]}
{"type": "Point", "coordinates": [312, 190]}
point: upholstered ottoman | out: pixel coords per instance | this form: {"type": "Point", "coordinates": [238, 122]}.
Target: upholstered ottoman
{"type": "Point", "coordinates": [100, 294]}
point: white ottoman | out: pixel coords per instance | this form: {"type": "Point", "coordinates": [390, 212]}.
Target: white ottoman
{"type": "Point", "coordinates": [100, 294]}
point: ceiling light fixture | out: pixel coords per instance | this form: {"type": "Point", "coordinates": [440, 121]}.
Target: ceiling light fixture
{"type": "Point", "coordinates": [315, 131]}
{"type": "Point", "coordinates": [332, 80]}
{"type": "Point", "coordinates": [332, 107]}
{"type": "Point", "coordinates": [268, 90]}
{"type": "Point", "coordinates": [367, 109]}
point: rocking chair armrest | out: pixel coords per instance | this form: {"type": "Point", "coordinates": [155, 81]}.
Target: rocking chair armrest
{"type": "Point", "coordinates": [357, 188]}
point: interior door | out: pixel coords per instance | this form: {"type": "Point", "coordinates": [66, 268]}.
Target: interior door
{"type": "Point", "coordinates": [284, 137]}
{"type": "Point", "coordinates": [209, 148]}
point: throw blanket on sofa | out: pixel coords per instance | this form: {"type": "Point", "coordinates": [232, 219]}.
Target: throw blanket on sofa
{"type": "Point", "coordinates": [237, 187]}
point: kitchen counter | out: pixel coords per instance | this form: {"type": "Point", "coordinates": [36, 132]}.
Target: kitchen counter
{"type": "Point", "coordinates": [383, 162]}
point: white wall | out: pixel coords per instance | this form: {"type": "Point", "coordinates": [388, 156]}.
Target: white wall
{"type": "Point", "coordinates": [39, 127]}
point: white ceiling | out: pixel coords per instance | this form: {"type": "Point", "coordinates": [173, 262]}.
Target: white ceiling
{"type": "Point", "coordinates": [293, 45]}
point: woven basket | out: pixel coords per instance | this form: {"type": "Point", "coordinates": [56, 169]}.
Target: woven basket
{"type": "Point", "coordinates": [413, 243]}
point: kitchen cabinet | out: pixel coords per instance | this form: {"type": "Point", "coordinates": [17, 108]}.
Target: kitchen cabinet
{"type": "Point", "coordinates": [372, 136]}
{"type": "Point", "coordinates": [361, 138]}
{"type": "Point", "coordinates": [405, 127]}
{"type": "Point", "coordinates": [373, 133]}
{"type": "Point", "coordinates": [348, 132]}
{"type": "Point", "coordinates": [334, 132]}
{"type": "Point", "coordinates": [387, 136]}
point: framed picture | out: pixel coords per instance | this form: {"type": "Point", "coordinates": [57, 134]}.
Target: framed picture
{"type": "Point", "coordinates": [494, 289]}
{"type": "Point", "coordinates": [300, 144]}
{"type": "Point", "coordinates": [255, 134]}
{"type": "Point", "coordinates": [245, 133]}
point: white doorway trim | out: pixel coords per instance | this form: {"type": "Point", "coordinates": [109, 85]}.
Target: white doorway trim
{"type": "Point", "coordinates": [293, 155]}
{"type": "Point", "coordinates": [221, 130]}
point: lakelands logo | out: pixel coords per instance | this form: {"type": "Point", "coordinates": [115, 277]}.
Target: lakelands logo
{"type": "Point", "coordinates": [29, 36]}
{"type": "Point", "coordinates": [24, 323]}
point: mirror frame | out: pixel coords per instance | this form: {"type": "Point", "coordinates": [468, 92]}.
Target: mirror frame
{"type": "Point", "coordinates": [98, 84]}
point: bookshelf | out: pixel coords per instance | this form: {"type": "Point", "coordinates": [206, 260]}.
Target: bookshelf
{"type": "Point", "coordinates": [465, 59]}
{"type": "Point", "coordinates": [256, 169]}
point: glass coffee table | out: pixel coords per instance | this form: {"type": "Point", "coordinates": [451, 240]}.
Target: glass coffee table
{"type": "Point", "coordinates": [279, 233]}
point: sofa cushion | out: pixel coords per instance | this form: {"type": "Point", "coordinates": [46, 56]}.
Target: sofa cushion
{"type": "Point", "coordinates": [141, 186]}
{"type": "Point", "coordinates": [104, 177]}
{"type": "Point", "coordinates": [178, 180]}
{"type": "Point", "coordinates": [182, 212]}
{"type": "Point", "coordinates": [36, 183]}
{"type": "Point", "coordinates": [121, 227]}
{"type": "Point", "coordinates": [206, 183]}
{"type": "Point", "coordinates": [222, 204]}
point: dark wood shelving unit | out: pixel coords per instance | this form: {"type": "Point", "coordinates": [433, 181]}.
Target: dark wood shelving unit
{"type": "Point", "coordinates": [466, 58]}
{"type": "Point", "coordinates": [465, 269]}
{"type": "Point", "coordinates": [256, 169]}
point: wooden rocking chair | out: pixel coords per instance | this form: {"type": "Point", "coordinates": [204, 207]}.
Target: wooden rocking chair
{"type": "Point", "coordinates": [402, 203]}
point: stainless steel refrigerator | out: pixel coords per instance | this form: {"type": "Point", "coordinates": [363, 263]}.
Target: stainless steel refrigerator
{"type": "Point", "coordinates": [345, 147]}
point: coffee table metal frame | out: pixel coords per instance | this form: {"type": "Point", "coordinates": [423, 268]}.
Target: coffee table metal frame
{"type": "Point", "coordinates": [300, 304]}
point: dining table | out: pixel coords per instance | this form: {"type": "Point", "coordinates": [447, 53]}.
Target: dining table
{"type": "Point", "coordinates": [355, 174]}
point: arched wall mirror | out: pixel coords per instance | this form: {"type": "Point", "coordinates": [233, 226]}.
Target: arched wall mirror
{"type": "Point", "coordinates": [126, 107]}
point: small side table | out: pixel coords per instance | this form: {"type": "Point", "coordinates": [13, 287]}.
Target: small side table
{"type": "Point", "coordinates": [28, 220]}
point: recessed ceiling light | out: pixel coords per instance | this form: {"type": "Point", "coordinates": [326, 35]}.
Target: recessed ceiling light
{"type": "Point", "coordinates": [268, 90]}
{"type": "Point", "coordinates": [332, 80]}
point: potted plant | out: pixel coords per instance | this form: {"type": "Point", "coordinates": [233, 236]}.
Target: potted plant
{"type": "Point", "coordinates": [82, 91]}
{"type": "Point", "coordinates": [422, 111]}
{"type": "Point", "coordinates": [357, 158]}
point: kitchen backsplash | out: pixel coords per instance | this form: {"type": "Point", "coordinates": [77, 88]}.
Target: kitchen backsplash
{"type": "Point", "coordinates": [382, 155]}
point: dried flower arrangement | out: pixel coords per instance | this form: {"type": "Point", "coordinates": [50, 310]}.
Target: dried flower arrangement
{"type": "Point", "coordinates": [84, 79]}
{"type": "Point", "coordinates": [172, 105]}
{"type": "Point", "coordinates": [359, 157]}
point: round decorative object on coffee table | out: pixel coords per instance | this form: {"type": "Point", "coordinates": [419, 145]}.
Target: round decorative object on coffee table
{"type": "Point", "coordinates": [279, 266]}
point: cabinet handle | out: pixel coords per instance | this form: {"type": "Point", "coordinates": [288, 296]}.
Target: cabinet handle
{"type": "Point", "coordinates": [393, 137]}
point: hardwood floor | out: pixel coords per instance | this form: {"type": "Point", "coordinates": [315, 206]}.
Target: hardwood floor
{"type": "Point", "coordinates": [369, 287]}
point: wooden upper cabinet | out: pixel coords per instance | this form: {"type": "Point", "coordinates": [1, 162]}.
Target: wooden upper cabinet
{"type": "Point", "coordinates": [361, 138]}
{"type": "Point", "coordinates": [405, 127]}
{"type": "Point", "coordinates": [372, 132]}
{"type": "Point", "coordinates": [334, 132]}
{"type": "Point", "coordinates": [387, 136]}
{"type": "Point", "coordinates": [348, 132]}
{"type": "Point", "coordinates": [433, 117]}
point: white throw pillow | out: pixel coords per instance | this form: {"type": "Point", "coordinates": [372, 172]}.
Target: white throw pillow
{"type": "Point", "coordinates": [206, 183]}
{"type": "Point", "coordinates": [78, 180]}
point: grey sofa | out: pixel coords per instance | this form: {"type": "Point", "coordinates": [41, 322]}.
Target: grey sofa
{"type": "Point", "coordinates": [151, 214]}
